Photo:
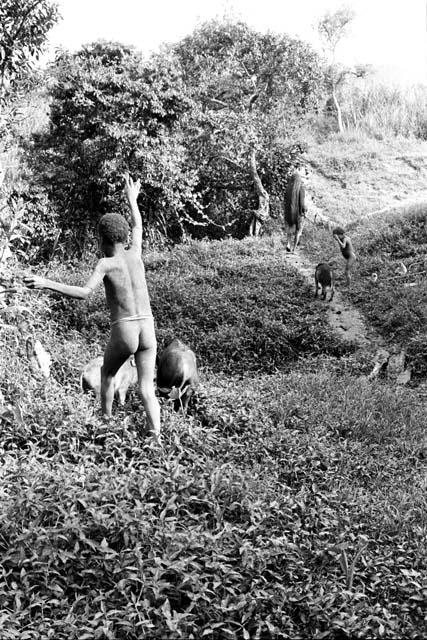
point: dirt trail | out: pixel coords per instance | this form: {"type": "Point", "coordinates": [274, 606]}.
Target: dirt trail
{"type": "Point", "coordinates": [349, 324]}
{"type": "Point", "coordinates": [347, 321]}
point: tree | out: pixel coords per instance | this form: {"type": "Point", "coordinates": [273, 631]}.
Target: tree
{"type": "Point", "coordinates": [252, 91]}
{"type": "Point", "coordinates": [111, 112]}
{"type": "Point", "coordinates": [332, 28]}
{"type": "Point", "coordinates": [24, 25]}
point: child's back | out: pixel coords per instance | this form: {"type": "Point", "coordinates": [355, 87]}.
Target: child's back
{"type": "Point", "coordinates": [125, 286]}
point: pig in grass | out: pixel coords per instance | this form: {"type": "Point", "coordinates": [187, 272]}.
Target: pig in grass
{"type": "Point", "coordinates": [90, 379]}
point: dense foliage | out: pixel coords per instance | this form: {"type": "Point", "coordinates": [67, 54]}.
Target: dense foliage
{"type": "Point", "coordinates": [288, 505]}
{"type": "Point", "coordinates": [184, 121]}
{"type": "Point", "coordinates": [111, 112]}
{"type": "Point", "coordinates": [24, 26]}
{"type": "Point", "coordinates": [252, 91]}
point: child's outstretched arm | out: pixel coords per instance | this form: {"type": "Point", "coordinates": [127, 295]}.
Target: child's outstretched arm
{"type": "Point", "coordinates": [131, 191]}
{"type": "Point", "coordinates": [71, 291]}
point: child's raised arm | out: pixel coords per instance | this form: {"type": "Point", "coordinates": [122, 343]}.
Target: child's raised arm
{"type": "Point", "coordinates": [131, 190]}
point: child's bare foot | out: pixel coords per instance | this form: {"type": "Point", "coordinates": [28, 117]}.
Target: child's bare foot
{"type": "Point", "coordinates": [154, 438]}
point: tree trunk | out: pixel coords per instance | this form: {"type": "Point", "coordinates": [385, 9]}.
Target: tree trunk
{"type": "Point", "coordinates": [261, 214]}
{"type": "Point", "coordinates": [338, 108]}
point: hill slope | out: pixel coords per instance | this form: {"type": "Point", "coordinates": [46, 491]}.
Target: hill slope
{"type": "Point", "coordinates": [377, 191]}
{"type": "Point", "coordinates": [353, 176]}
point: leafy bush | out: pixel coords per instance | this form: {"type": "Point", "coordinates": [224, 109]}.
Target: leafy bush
{"type": "Point", "coordinates": [251, 92]}
{"type": "Point", "coordinates": [112, 112]}
{"type": "Point", "coordinates": [162, 119]}
{"type": "Point", "coordinates": [40, 233]}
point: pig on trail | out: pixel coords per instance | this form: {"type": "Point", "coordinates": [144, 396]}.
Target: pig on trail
{"type": "Point", "coordinates": [90, 379]}
{"type": "Point", "coordinates": [177, 374]}
{"type": "Point", "coordinates": [324, 276]}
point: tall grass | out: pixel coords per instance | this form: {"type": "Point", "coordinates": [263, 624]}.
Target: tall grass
{"type": "Point", "coordinates": [386, 110]}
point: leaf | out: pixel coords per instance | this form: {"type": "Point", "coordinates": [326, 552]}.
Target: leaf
{"type": "Point", "coordinates": [175, 393]}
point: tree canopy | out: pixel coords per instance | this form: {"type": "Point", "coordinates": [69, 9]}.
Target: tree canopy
{"type": "Point", "coordinates": [333, 26]}
{"type": "Point", "coordinates": [111, 112]}
{"type": "Point", "coordinates": [24, 25]}
{"type": "Point", "coordinates": [207, 124]}
{"type": "Point", "coordinates": [252, 91]}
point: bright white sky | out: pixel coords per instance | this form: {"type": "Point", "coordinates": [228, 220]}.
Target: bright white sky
{"type": "Point", "coordinates": [391, 34]}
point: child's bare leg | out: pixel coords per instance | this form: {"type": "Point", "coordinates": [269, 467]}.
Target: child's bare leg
{"type": "Point", "coordinates": [145, 360]}
{"type": "Point", "coordinates": [289, 235]}
{"type": "Point", "coordinates": [298, 233]}
{"type": "Point", "coordinates": [107, 394]}
{"type": "Point", "coordinates": [116, 354]}
{"type": "Point", "coordinates": [348, 269]}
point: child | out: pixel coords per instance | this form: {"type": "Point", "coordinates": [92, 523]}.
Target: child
{"type": "Point", "coordinates": [347, 251]}
{"type": "Point", "coordinates": [132, 324]}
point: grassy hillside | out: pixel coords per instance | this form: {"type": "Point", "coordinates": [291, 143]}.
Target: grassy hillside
{"type": "Point", "coordinates": [353, 175]}
{"type": "Point", "coordinates": [384, 239]}
{"type": "Point", "coordinates": [289, 504]}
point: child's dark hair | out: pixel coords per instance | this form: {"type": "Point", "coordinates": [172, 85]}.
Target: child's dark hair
{"type": "Point", "coordinates": [113, 228]}
{"type": "Point", "coordinates": [338, 231]}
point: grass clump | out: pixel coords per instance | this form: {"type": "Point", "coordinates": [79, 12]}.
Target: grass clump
{"type": "Point", "coordinates": [352, 174]}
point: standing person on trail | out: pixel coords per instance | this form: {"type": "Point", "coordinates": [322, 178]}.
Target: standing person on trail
{"type": "Point", "coordinates": [295, 210]}
{"type": "Point", "coordinates": [346, 246]}
{"type": "Point", "coordinates": [132, 325]}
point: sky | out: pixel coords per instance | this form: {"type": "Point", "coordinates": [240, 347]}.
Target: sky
{"type": "Point", "coordinates": [389, 34]}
